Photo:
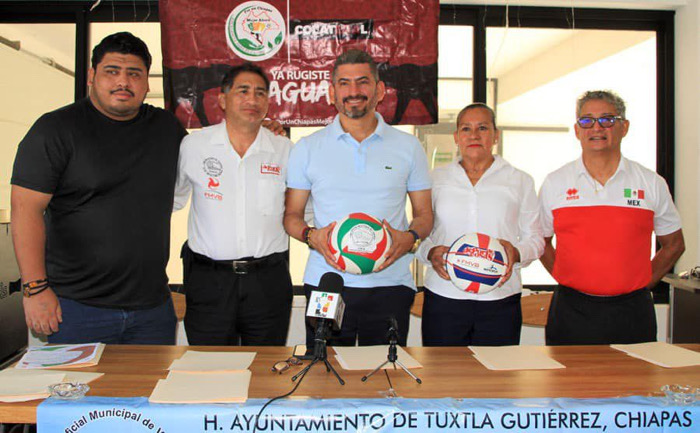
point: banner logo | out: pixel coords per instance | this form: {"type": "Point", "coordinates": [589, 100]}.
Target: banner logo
{"type": "Point", "coordinates": [332, 29]}
{"type": "Point", "coordinates": [255, 31]}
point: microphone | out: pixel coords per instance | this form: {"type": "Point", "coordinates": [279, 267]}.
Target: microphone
{"type": "Point", "coordinates": [326, 308]}
{"type": "Point", "coordinates": [326, 305]}
{"type": "Point", "coordinates": [392, 334]}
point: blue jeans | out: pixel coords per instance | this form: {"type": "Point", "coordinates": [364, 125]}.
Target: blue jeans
{"type": "Point", "coordinates": [85, 324]}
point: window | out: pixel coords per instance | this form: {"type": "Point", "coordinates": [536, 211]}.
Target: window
{"type": "Point", "coordinates": [530, 65]}
{"type": "Point", "coordinates": [537, 74]}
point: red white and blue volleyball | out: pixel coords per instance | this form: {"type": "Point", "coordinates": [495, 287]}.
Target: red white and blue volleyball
{"type": "Point", "coordinates": [358, 243]}
{"type": "Point", "coordinates": [476, 262]}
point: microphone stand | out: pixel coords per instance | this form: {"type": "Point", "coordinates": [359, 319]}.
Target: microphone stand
{"type": "Point", "coordinates": [320, 353]}
{"type": "Point", "coordinates": [392, 357]}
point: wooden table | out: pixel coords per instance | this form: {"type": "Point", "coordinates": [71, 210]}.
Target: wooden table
{"type": "Point", "coordinates": [591, 372]}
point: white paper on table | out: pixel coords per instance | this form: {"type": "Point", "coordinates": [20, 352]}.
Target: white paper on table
{"type": "Point", "coordinates": [514, 358]}
{"type": "Point", "coordinates": [193, 361]}
{"type": "Point", "coordinates": [370, 357]}
{"type": "Point", "coordinates": [81, 376]}
{"type": "Point", "coordinates": [62, 356]}
{"type": "Point", "coordinates": [70, 375]}
{"type": "Point", "coordinates": [660, 353]}
{"type": "Point", "coordinates": [24, 387]}
{"type": "Point", "coordinates": [181, 387]}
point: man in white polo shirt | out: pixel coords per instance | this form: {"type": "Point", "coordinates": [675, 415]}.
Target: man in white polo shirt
{"type": "Point", "coordinates": [603, 208]}
{"type": "Point", "coordinates": [236, 274]}
{"type": "Point", "coordinates": [358, 163]}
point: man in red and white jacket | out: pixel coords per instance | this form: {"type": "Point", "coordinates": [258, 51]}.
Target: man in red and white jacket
{"type": "Point", "coordinates": [603, 208]}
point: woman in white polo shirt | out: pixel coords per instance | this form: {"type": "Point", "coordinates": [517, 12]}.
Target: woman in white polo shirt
{"type": "Point", "coordinates": [482, 193]}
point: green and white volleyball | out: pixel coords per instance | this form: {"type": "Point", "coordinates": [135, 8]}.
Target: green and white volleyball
{"type": "Point", "coordinates": [358, 243]}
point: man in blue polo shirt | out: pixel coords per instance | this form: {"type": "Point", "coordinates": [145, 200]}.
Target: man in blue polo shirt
{"type": "Point", "coordinates": [358, 163]}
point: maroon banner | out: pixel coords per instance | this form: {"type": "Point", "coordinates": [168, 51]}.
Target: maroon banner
{"type": "Point", "coordinates": [297, 42]}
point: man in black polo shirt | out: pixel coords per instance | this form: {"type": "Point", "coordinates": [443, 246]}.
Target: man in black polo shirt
{"type": "Point", "coordinates": [92, 194]}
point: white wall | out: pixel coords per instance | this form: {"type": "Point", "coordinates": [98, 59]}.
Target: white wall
{"type": "Point", "coordinates": [687, 59]}
{"type": "Point", "coordinates": [43, 89]}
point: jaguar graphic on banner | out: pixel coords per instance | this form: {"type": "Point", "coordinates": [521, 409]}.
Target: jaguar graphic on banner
{"type": "Point", "coordinates": [297, 42]}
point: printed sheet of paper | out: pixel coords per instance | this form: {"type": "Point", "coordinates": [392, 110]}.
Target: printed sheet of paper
{"type": "Point", "coordinates": [369, 357]}
{"type": "Point", "coordinates": [42, 377]}
{"type": "Point", "coordinates": [181, 387]}
{"type": "Point", "coordinates": [202, 362]}
{"type": "Point", "coordinates": [514, 358]}
{"type": "Point", "coordinates": [62, 356]}
{"type": "Point", "coordinates": [70, 375]}
{"type": "Point", "coordinates": [15, 386]}
{"type": "Point", "coordinates": [662, 354]}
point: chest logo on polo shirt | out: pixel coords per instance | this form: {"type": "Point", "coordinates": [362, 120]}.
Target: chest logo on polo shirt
{"type": "Point", "coordinates": [634, 196]}
{"type": "Point", "coordinates": [269, 168]}
{"type": "Point", "coordinates": [212, 167]}
{"type": "Point", "coordinates": [572, 194]}
{"type": "Point", "coordinates": [210, 192]}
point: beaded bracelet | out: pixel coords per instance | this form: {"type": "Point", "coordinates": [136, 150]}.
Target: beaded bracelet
{"type": "Point", "coordinates": [306, 235]}
{"type": "Point", "coordinates": [35, 287]}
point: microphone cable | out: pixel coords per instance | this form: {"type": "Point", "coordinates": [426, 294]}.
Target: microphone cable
{"type": "Point", "coordinates": [279, 397]}
{"type": "Point", "coordinates": [391, 392]}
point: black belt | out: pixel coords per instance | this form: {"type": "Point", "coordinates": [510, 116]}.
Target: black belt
{"type": "Point", "coordinates": [241, 266]}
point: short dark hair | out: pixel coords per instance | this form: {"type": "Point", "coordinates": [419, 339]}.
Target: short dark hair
{"type": "Point", "coordinates": [478, 105]}
{"type": "Point", "coordinates": [354, 56]}
{"type": "Point", "coordinates": [230, 76]}
{"type": "Point", "coordinates": [122, 43]}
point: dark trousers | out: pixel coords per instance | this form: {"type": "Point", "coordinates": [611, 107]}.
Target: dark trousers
{"type": "Point", "coordinates": [367, 313]}
{"type": "Point", "coordinates": [577, 318]}
{"type": "Point", "coordinates": [465, 322]}
{"type": "Point", "coordinates": [85, 324]}
{"type": "Point", "coordinates": [226, 308]}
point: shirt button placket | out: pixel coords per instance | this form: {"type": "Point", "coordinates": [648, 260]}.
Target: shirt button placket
{"type": "Point", "coordinates": [240, 206]}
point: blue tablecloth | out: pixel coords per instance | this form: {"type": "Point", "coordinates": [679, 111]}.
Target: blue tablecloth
{"type": "Point", "coordinates": [628, 415]}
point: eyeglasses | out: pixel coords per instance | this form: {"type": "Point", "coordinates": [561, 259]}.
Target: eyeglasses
{"type": "Point", "coordinates": [283, 366]}
{"type": "Point", "coordinates": [604, 121]}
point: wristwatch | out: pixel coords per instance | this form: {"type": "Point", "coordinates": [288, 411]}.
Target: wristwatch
{"type": "Point", "coordinates": [416, 240]}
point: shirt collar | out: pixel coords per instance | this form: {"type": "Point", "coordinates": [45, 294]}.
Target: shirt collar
{"type": "Point", "coordinates": [219, 137]}
{"type": "Point", "coordinates": [262, 142]}
{"type": "Point", "coordinates": [581, 168]}
{"type": "Point", "coordinates": [337, 129]}
{"type": "Point", "coordinates": [498, 163]}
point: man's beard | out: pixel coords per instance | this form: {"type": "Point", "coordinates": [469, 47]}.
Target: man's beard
{"type": "Point", "coordinates": [356, 112]}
